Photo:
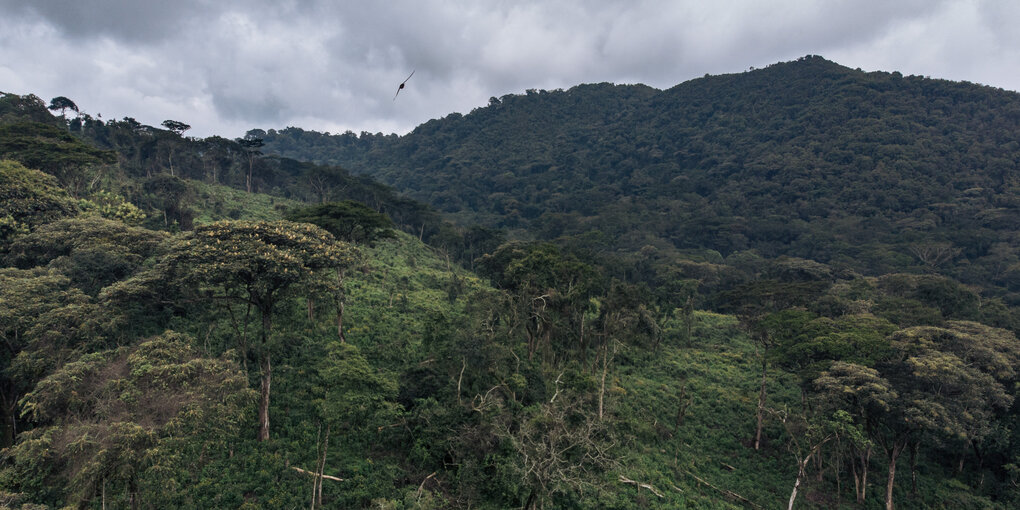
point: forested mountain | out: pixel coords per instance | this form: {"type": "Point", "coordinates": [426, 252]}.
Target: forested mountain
{"type": "Point", "coordinates": [794, 287]}
{"type": "Point", "coordinates": [875, 172]}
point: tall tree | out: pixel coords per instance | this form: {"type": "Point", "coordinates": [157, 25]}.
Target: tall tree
{"type": "Point", "coordinates": [946, 381]}
{"type": "Point", "coordinates": [63, 104]}
{"type": "Point", "coordinates": [178, 128]}
{"type": "Point", "coordinates": [257, 264]}
{"type": "Point", "coordinates": [47, 148]}
{"type": "Point", "coordinates": [251, 144]}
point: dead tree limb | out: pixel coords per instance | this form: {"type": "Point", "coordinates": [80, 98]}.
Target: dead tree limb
{"type": "Point", "coordinates": [306, 472]}
{"type": "Point", "coordinates": [728, 493]}
{"type": "Point", "coordinates": [624, 479]}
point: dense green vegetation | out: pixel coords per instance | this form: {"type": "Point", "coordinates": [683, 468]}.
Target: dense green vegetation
{"type": "Point", "coordinates": [875, 172]}
{"type": "Point", "coordinates": [709, 300]}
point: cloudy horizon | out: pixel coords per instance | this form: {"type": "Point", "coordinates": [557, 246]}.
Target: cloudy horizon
{"type": "Point", "coordinates": [227, 67]}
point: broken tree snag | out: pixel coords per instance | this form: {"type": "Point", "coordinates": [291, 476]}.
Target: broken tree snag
{"type": "Point", "coordinates": [422, 486]}
{"type": "Point", "coordinates": [306, 472]}
{"type": "Point", "coordinates": [624, 479]}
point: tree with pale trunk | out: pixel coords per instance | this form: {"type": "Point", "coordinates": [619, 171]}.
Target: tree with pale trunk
{"type": "Point", "coordinates": [256, 264]}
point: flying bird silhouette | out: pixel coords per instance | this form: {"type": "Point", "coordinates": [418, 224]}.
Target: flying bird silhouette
{"type": "Point", "coordinates": [401, 87]}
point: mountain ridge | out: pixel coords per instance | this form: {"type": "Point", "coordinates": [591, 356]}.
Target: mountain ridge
{"type": "Point", "coordinates": [806, 158]}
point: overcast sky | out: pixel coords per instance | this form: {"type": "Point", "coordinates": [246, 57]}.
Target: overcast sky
{"type": "Point", "coordinates": [227, 66]}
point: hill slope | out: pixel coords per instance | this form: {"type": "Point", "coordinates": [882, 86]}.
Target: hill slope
{"type": "Point", "coordinates": [873, 171]}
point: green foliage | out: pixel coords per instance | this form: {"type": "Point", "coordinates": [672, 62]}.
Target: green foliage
{"type": "Point", "coordinates": [52, 150]}
{"type": "Point", "coordinates": [111, 206]}
{"type": "Point", "coordinates": [875, 172]}
{"type": "Point", "coordinates": [62, 103]}
{"type": "Point", "coordinates": [766, 194]}
{"type": "Point", "coordinates": [93, 252]}
{"type": "Point", "coordinates": [355, 393]}
{"type": "Point", "coordinates": [28, 198]}
{"type": "Point", "coordinates": [114, 419]}
{"type": "Point", "coordinates": [27, 108]}
{"type": "Point", "coordinates": [348, 221]}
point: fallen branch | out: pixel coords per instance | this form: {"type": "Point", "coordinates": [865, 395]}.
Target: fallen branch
{"type": "Point", "coordinates": [729, 493]}
{"type": "Point", "coordinates": [422, 486]}
{"type": "Point", "coordinates": [624, 479]}
{"type": "Point", "coordinates": [306, 472]}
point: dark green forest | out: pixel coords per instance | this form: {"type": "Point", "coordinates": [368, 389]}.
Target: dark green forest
{"type": "Point", "coordinates": [790, 287]}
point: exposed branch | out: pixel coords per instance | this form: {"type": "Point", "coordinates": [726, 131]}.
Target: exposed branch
{"type": "Point", "coordinates": [553, 399]}
{"type": "Point", "coordinates": [306, 472]}
{"type": "Point", "coordinates": [624, 479]}
{"type": "Point", "coordinates": [422, 486]}
{"type": "Point", "coordinates": [461, 378]}
{"type": "Point", "coordinates": [728, 493]}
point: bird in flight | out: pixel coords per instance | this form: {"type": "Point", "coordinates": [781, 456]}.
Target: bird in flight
{"type": "Point", "coordinates": [401, 87]}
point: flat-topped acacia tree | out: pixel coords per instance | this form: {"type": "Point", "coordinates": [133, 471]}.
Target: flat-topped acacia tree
{"type": "Point", "coordinates": [258, 264]}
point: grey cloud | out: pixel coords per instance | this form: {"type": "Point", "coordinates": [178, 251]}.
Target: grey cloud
{"type": "Point", "coordinates": [128, 20]}
{"type": "Point", "coordinates": [335, 65]}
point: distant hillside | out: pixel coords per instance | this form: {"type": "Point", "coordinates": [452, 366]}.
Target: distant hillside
{"type": "Point", "coordinates": [876, 172]}
{"type": "Point", "coordinates": [171, 341]}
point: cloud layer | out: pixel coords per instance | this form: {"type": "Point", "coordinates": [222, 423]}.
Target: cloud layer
{"type": "Point", "coordinates": [225, 67]}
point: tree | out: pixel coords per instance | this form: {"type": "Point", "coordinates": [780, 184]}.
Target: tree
{"type": "Point", "coordinates": [356, 395]}
{"type": "Point", "coordinates": [170, 196]}
{"type": "Point", "coordinates": [27, 108]}
{"type": "Point", "coordinates": [29, 198]}
{"type": "Point", "coordinates": [560, 448]}
{"type": "Point", "coordinates": [251, 144]}
{"type": "Point", "coordinates": [756, 304]}
{"type": "Point", "coordinates": [56, 152]}
{"type": "Point", "coordinates": [349, 221]}
{"type": "Point", "coordinates": [947, 381]}
{"type": "Point", "coordinates": [323, 182]}
{"type": "Point", "coordinates": [257, 264]}
{"type": "Point", "coordinates": [178, 128]}
{"type": "Point", "coordinates": [93, 252]}
{"type": "Point", "coordinates": [27, 299]}
{"type": "Point", "coordinates": [806, 436]}
{"type": "Point", "coordinates": [112, 418]}
{"type": "Point", "coordinates": [867, 397]}
{"type": "Point", "coordinates": [62, 103]}
{"type": "Point", "coordinates": [552, 291]}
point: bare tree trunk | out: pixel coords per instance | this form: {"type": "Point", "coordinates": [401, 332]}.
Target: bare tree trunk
{"type": "Point", "coordinates": [133, 493]}
{"type": "Point", "coordinates": [913, 467]}
{"type": "Point", "coordinates": [267, 378]}
{"type": "Point", "coordinates": [837, 468]}
{"type": "Point", "coordinates": [681, 409]}
{"type": "Point", "coordinates": [893, 455]}
{"type": "Point", "coordinates": [761, 405]}
{"type": "Point", "coordinates": [251, 164]}
{"type": "Point", "coordinates": [861, 477]}
{"type": "Point", "coordinates": [341, 298]}
{"type": "Point", "coordinates": [322, 464]}
{"type": "Point", "coordinates": [340, 322]}
{"type": "Point", "coordinates": [801, 465]}
{"type": "Point", "coordinates": [316, 479]}
{"type": "Point", "coordinates": [605, 370]}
